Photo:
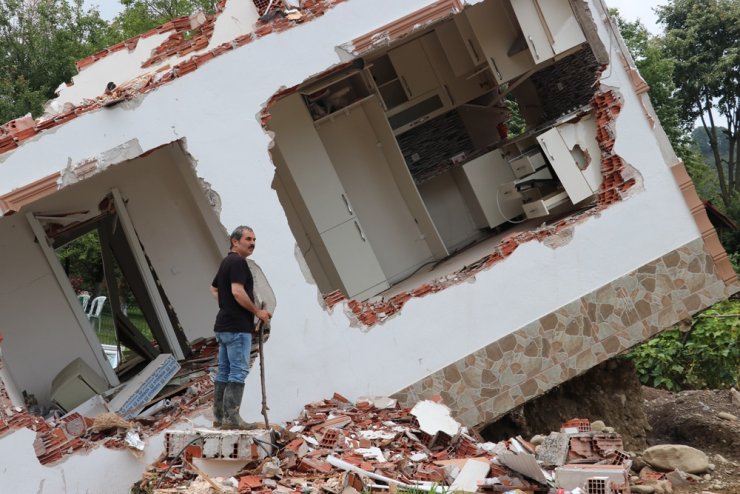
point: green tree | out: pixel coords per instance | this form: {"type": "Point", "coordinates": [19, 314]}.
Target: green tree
{"type": "Point", "coordinates": [658, 68]}
{"type": "Point", "coordinates": [40, 40]}
{"type": "Point", "coordinates": [703, 39]}
{"type": "Point", "coordinates": [83, 263]}
{"type": "Point", "coordinates": [139, 16]}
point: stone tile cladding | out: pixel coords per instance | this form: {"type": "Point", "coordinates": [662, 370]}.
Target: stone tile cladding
{"type": "Point", "coordinates": [526, 363]}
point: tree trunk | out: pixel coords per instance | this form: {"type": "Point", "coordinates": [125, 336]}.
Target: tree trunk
{"type": "Point", "coordinates": [733, 126]}
{"type": "Point", "coordinates": [711, 131]}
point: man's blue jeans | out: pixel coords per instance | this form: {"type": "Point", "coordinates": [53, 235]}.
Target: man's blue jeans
{"type": "Point", "coordinates": [233, 356]}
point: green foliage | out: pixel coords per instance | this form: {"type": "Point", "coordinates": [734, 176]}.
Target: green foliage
{"type": "Point", "coordinates": [515, 123]}
{"type": "Point", "coordinates": [83, 262]}
{"type": "Point", "coordinates": [702, 37]}
{"type": "Point", "coordinates": [708, 356]}
{"type": "Point", "coordinates": [139, 16]}
{"type": "Point", "coordinates": [40, 40]}
{"type": "Point", "coordinates": [657, 69]}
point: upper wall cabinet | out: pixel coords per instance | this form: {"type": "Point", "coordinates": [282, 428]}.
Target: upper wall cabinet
{"type": "Point", "coordinates": [549, 27]}
{"type": "Point", "coordinates": [491, 33]}
{"type": "Point", "coordinates": [413, 68]}
{"type": "Point", "coordinates": [462, 59]}
{"type": "Point", "coordinates": [512, 36]}
{"type": "Point", "coordinates": [404, 75]}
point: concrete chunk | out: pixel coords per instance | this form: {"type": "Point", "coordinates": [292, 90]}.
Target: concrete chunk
{"type": "Point", "coordinates": [553, 451]}
{"type": "Point", "coordinates": [145, 385]}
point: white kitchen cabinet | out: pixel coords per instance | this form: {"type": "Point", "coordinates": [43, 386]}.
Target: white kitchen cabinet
{"type": "Point", "coordinates": [354, 260]}
{"type": "Point", "coordinates": [549, 27]}
{"type": "Point", "coordinates": [562, 25]}
{"type": "Point", "coordinates": [455, 47]}
{"type": "Point", "coordinates": [322, 201]}
{"type": "Point", "coordinates": [309, 163]}
{"type": "Point", "coordinates": [534, 30]}
{"type": "Point", "coordinates": [479, 180]}
{"type": "Point", "coordinates": [565, 166]}
{"type": "Point", "coordinates": [413, 69]}
{"type": "Point", "coordinates": [353, 140]}
{"type": "Point", "coordinates": [459, 88]}
{"type": "Point", "coordinates": [496, 31]}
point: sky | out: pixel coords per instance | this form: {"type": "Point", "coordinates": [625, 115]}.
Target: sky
{"type": "Point", "coordinates": [630, 10]}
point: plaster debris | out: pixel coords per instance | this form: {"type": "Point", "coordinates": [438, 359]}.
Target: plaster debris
{"type": "Point", "coordinates": [399, 455]}
{"type": "Point", "coordinates": [468, 478]}
{"type": "Point", "coordinates": [434, 417]}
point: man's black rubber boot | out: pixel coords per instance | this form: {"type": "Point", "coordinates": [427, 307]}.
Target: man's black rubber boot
{"type": "Point", "coordinates": [218, 404]}
{"type": "Point", "coordinates": [232, 402]}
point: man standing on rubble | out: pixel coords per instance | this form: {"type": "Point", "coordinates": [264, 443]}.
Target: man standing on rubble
{"type": "Point", "coordinates": [233, 288]}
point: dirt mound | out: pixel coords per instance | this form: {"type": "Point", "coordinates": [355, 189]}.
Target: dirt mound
{"type": "Point", "coordinates": [608, 392]}
{"type": "Point", "coordinates": [692, 418]}
{"type": "Point", "coordinates": [643, 416]}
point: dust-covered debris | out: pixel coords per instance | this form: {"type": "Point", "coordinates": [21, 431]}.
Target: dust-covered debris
{"type": "Point", "coordinates": [340, 447]}
{"type": "Point", "coordinates": [186, 394]}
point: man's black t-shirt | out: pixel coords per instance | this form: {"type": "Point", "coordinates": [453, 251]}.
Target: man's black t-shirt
{"type": "Point", "coordinates": [232, 317]}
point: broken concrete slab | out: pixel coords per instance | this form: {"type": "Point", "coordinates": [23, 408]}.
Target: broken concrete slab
{"type": "Point", "coordinates": [145, 385]}
{"type": "Point", "coordinates": [553, 450]}
{"type": "Point", "coordinates": [524, 463]}
{"type": "Point", "coordinates": [471, 473]}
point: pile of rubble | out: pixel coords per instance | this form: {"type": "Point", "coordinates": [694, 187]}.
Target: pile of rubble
{"type": "Point", "coordinates": [155, 399]}
{"type": "Point", "coordinates": [337, 447]}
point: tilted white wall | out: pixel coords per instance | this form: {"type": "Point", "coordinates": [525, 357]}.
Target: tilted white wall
{"type": "Point", "coordinates": [313, 353]}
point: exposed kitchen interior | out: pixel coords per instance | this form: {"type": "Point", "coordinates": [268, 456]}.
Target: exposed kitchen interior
{"type": "Point", "coordinates": [419, 149]}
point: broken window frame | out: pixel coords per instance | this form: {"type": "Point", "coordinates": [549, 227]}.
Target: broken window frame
{"type": "Point", "coordinates": [151, 287]}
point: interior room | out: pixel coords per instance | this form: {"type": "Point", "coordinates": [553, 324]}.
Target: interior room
{"type": "Point", "coordinates": [441, 141]}
{"type": "Point", "coordinates": [141, 209]}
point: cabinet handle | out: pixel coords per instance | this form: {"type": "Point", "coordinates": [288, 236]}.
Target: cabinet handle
{"type": "Point", "coordinates": [534, 47]}
{"type": "Point", "coordinates": [406, 85]}
{"type": "Point", "coordinates": [346, 203]}
{"type": "Point", "coordinates": [449, 94]}
{"type": "Point", "coordinates": [500, 77]}
{"type": "Point", "coordinates": [544, 145]}
{"type": "Point", "coordinates": [359, 230]}
{"type": "Point", "coordinates": [472, 48]}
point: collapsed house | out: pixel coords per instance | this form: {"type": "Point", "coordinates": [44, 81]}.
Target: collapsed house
{"type": "Point", "coordinates": [466, 198]}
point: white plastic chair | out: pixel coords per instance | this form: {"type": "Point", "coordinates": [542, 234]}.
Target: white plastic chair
{"type": "Point", "coordinates": [84, 298]}
{"type": "Point", "coordinates": [96, 308]}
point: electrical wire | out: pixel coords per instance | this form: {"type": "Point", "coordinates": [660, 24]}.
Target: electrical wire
{"type": "Point", "coordinates": [166, 472]}
{"type": "Point", "coordinates": [498, 206]}
{"type": "Point", "coordinates": [273, 447]}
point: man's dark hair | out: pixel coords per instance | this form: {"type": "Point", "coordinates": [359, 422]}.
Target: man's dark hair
{"type": "Point", "coordinates": [238, 232]}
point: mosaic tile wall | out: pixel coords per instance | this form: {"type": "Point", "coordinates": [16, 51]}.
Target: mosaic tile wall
{"type": "Point", "coordinates": [491, 381]}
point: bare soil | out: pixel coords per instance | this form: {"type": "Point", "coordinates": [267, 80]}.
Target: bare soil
{"type": "Point", "coordinates": [643, 417]}
{"type": "Point", "coordinates": [691, 418]}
